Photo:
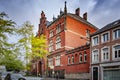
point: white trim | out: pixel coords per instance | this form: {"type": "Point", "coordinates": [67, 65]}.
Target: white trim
{"type": "Point", "coordinates": [110, 64]}
{"type": "Point", "coordinates": [69, 47]}
{"type": "Point", "coordinates": [76, 33]}
{"type": "Point", "coordinates": [93, 62]}
{"type": "Point", "coordinates": [108, 36]}
{"type": "Point", "coordinates": [102, 60]}
{"type": "Point", "coordinates": [93, 41]}
{"type": "Point", "coordinates": [80, 55]}
{"type": "Point", "coordinates": [113, 34]}
{"type": "Point", "coordinates": [114, 59]}
{"type": "Point", "coordinates": [92, 71]}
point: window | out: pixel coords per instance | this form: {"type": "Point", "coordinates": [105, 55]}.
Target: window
{"type": "Point", "coordinates": [85, 57]}
{"type": "Point", "coordinates": [68, 60]}
{"type": "Point", "coordinates": [58, 42]}
{"type": "Point", "coordinates": [88, 33]}
{"type": "Point", "coordinates": [95, 56]}
{"type": "Point", "coordinates": [116, 34]}
{"type": "Point", "coordinates": [50, 62]}
{"type": "Point", "coordinates": [105, 37]}
{"type": "Point", "coordinates": [105, 54]}
{"type": "Point", "coordinates": [72, 59]}
{"type": "Point", "coordinates": [51, 46]}
{"type": "Point", "coordinates": [95, 41]}
{"type": "Point", "coordinates": [57, 61]}
{"type": "Point", "coordinates": [116, 52]}
{"type": "Point", "coordinates": [51, 33]}
{"type": "Point", "coordinates": [80, 58]}
{"type": "Point", "coordinates": [58, 29]}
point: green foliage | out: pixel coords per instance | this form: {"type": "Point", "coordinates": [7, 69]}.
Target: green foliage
{"type": "Point", "coordinates": [11, 62]}
{"type": "Point", "coordinates": [8, 51]}
{"type": "Point", "coordinates": [6, 28]}
{"type": "Point", "coordinates": [39, 46]}
{"type": "Point", "coordinates": [25, 31]}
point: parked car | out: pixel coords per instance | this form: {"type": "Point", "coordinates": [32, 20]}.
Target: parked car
{"type": "Point", "coordinates": [3, 75]}
{"type": "Point", "coordinates": [13, 76]}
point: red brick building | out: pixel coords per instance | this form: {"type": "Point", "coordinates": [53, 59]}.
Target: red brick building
{"type": "Point", "coordinates": [68, 40]}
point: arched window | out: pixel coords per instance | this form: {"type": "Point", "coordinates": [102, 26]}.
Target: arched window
{"type": "Point", "coordinates": [72, 59]}
{"type": "Point", "coordinates": [116, 52]}
{"type": "Point", "coordinates": [68, 59]}
{"type": "Point", "coordinates": [85, 56]}
{"type": "Point", "coordinates": [80, 58]}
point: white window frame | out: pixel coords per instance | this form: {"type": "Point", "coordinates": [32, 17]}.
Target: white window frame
{"type": "Point", "coordinates": [113, 37]}
{"type": "Point", "coordinates": [113, 52]}
{"type": "Point", "coordinates": [73, 61]}
{"type": "Point", "coordinates": [69, 60]}
{"type": "Point", "coordinates": [58, 28]}
{"type": "Point", "coordinates": [85, 54]}
{"type": "Point", "coordinates": [102, 55]}
{"type": "Point", "coordinates": [50, 62]}
{"type": "Point", "coordinates": [51, 46]}
{"type": "Point", "coordinates": [108, 32]}
{"type": "Point", "coordinates": [93, 56]}
{"type": "Point", "coordinates": [80, 56]}
{"type": "Point", "coordinates": [51, 33]}
{"type": "Point", "coordinates": [58, 42]}
{"type": "Point", "coordinates": [93, 40]}
{"type": "Point", "coordinates": [57, 61]}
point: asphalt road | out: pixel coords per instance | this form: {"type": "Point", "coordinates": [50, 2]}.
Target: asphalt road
{"type": "Point", "coordinates": [34, 78]}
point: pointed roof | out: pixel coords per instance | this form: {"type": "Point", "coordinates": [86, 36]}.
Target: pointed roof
{"type": "Point", "coordinates": [107, 27]}
{"type": "Point", "coordinates": [65, 8]}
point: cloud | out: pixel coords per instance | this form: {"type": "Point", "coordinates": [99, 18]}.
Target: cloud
{"type": "Point", "coordinates": [104, 12]}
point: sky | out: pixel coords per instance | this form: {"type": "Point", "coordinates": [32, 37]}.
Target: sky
{"type": "Point", "coordinates": [100, 12]}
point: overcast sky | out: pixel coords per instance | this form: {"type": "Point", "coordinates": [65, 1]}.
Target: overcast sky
{"type": "Point", "coordinates": [100, 12]}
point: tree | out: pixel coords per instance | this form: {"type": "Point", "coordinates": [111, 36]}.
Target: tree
{"type": "Point", "coordinates": [7, 27]}
{"type": "Point", "coordinates": [12, 63]}
{"type": "Point", "coordinates": [25, 31]}
{"type": "Point", "coordinates": [8, 51]}
{"type": "Point", "coordinates": [39, 46]}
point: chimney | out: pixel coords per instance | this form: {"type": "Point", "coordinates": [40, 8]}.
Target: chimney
{"type": "Point", "coordinates": [77, 11]}
{"type": "Point", "coordinates": [85, 16]}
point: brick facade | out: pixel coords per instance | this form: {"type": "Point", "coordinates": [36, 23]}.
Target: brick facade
{"type": "Point", "coordinates": [64, 42]}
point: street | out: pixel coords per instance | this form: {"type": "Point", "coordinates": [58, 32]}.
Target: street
{"type": "Point", "coordinates": [34, 78]}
